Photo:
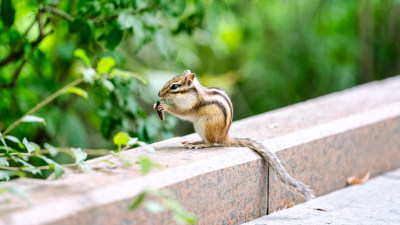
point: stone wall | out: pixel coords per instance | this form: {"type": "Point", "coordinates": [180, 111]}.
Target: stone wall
{"type": "Point", "coordinates": [320, 142]}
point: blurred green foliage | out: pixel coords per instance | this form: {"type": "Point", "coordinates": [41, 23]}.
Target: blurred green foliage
{"type": "Point", "coordinates": [269, 54]}
{"type": "Point", "coordinates": [266, 54]}
{"type": "Point", "coordinates": [39, 41]}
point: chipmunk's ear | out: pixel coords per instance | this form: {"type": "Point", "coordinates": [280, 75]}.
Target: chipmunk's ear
{"type": "Point", "coordinates": [190, 79]}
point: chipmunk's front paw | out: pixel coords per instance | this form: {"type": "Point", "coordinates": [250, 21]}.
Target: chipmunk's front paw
{"type": "Point", "coordinates": [158, 106]}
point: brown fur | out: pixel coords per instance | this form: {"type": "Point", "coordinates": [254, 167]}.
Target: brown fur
{"type": "Point", "coordinates": [211, 111]}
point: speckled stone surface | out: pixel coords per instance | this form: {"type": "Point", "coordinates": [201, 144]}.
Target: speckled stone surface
{"type": "Point", "coordinates": [375, 202]}
{"type": "Point", "coordinates": [216, 195]}
{"type": "Point", "coordinates": [326, 163]}
{"type": "Point", "coordinates": [320, 142]}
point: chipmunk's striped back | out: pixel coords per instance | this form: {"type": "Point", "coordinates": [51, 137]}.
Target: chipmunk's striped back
{"type": "Point", "coordinates": [211, 111]}
{"type": "Point", "coordinates": [221, 98]}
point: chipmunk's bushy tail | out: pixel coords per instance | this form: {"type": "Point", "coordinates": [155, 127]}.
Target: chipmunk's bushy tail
{"type": "Point", "coordinates": [273, 162]}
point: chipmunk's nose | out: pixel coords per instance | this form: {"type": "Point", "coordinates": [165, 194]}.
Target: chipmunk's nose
{"type": "Point", "coordinates": [159, 94]}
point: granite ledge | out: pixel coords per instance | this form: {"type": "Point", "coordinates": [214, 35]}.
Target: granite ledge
{"type": "Point", "coordinates": [230, 185]}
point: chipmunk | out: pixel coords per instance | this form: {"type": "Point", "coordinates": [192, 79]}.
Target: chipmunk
{"type": "Point", "coordinates": [210, 110]}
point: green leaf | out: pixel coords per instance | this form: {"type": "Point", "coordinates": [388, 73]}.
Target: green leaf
{"type": "Point", "coordinates": [185, 218]}
{"type": "Point", "coordinates": [5, 148]}
{"type": "Point", "coordinates": [78, 91]}
{"type": "Point", "coordinates": [175, 7]}
{"type": "Point", "coordinates": [154, 207]}
{"type": "Point", "coordinates": [88, 75]}
{"type": "Point", "coordinates": [36, 146]}
{"type": "Point", "coordinates": [126, 75]}
{"type": "Point", "coordinates": [121, 138]}
{"type": "Point", "coordinates": [80, 157]}
{"type": "Point", "coordinates": [137, 201]}
{"type": "Point", "coordinates": [147, 164]}
{"type": "Point", "coordinates": [146, 146]}
{"type": "Point", "coordinates": [4, 162]}
{"type": "Point", "coordinates": [141, 4]}
{"type": "Point", "coordinates": [105, 65]}
{"type": "Point", "coordinates": [81, 54]}
{"type": "Point", "coordinates": [13, 139]}
{"type": "Point", "coordinates": [29, 147]}
{"type": "Point", "coordinates": [181, 216]}
{"type": "Point", "coordinates": [109, 85]}
{"type": "Point", "coordinates": [213, 14]}
{"type": "Point", "coordinates": [4, 176]}
{"type": "Point", "coordinates": [28, 167]}
{"type": "Point", "coordinates": [58, 170]}
{"type": "Point", "coordinates": [125, 20]}
{"type": "Point", "coordinates": [113, 38]}
{"type": "Point", "coordinates": [16, 173]}
{"type": "Point", "coordinates": [132, 141]}
{"type": "Point", "coordinates": [33, 119]}
{"type": "Point", "coordinates": [86, 32]}
{"type": "Point", "coordinates": [108, 162]}
{"type": "Point", "coordinates": [3, 141]}
{"type": "Point", "coordinates": [139, 35]}
{"type": "Point", "coordinates": [161, 43]}
{"type": "Point", "coordinates": [133, 106]}
{"type": "Point", "coordinates": [7, 12]}
{"type": "Point", "coordinates": [152, 21]}
{"type": "Point", "coordinates": [52, 150]}
{"type": "Point", "coordinates": [164, 43]}
{"type": "Point", "coordinates": [79, 154]}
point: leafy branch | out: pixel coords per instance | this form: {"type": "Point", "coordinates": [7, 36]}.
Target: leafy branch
{"type": "Point", "coordinates": [43, 103]}
{"type": "Point", "coordinates": [18, 52]}
{"type": "Point", "coordinates": [58, 12]}
{"type": "Point", "coordinates": [93, 152]}
{"type": "Point", "coordinates": [88, 28]}
{"type": "Point", "coordinates": [104, 71]}
{"type": "Point", "coordinates": [38, 167]}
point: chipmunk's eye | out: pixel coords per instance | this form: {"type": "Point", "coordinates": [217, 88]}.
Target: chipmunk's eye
{"type": "Point", "coordinates": [174, 86]}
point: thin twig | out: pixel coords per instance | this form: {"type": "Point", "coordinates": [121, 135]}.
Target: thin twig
{"type": "Point", "coordinates": [15, 76]}
{"type": "Point", "coordinates": [40, 23]}
{"type": "Point", "coordinates": [13, 56]}
{"type": "Point", "coordinates": [43, 103]}
{"type": "Point", "coordinates": [88, 151]}
{"type": "Point", "coordinates": [59, 12]}
{"type": "Point", "coordinates": [16, 55]}
{"type": "Point", "coordinates": [63, 150]}
{"type": "Point", "coordinates": [39, 167]}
